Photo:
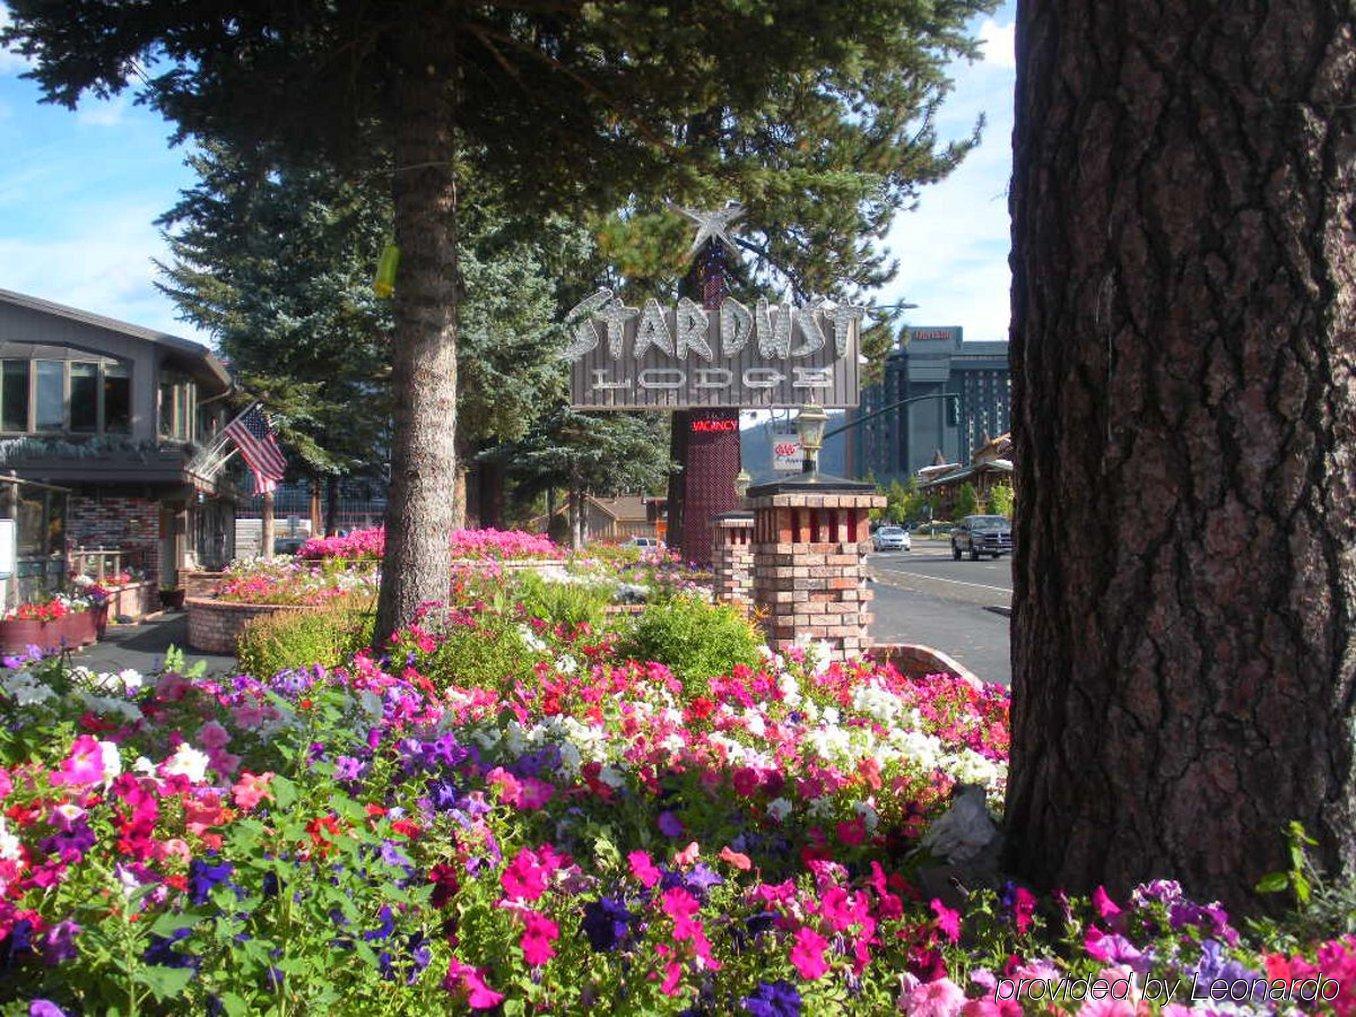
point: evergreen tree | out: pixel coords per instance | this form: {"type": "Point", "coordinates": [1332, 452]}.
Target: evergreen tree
{"type": "Point", "coordinates": [277, 265]}
{"type": "Point", "coordinates": [561, 101]}
{"type": "Point", "coordinates": [590, 453]}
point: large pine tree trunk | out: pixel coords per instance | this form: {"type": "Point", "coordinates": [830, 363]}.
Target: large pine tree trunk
{"type": "Point", "coordinates": [1184, 338]}
{"type": "Point", "coordinates": [421, 509]}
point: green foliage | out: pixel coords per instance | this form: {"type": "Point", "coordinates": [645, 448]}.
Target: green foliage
{"type": "Point", "coordinates": [697, 640]}
{"type": "Point", "coordinates": [1322, 906]}
{"type": "Point", "coordinates": [967, 501]}
{"type": "Point", "coordinates": [293, 639]}
{"type": "Point", "coordinates": [1000, 500]}
{"type": "Point", "coordinates": [563, 603]}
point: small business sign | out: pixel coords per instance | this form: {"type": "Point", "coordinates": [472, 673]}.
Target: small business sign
{"type": "Point", "coordinates": [787, 454]}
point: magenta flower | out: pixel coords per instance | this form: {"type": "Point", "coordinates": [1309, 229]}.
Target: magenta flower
{"type": "Point", "coordinates": [539, 932]}
{"type": "Point", "coordinates": [807, 954]}
{"type": "Point", "coordinates": [643, 868]}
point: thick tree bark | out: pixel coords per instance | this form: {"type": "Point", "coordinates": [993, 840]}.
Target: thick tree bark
{"type": "Point", "coordinates": [419, 517]}
{"type": "Point", "coordinates": [1184, 338]}
{"type": "Point", "coordinates": [331, 505]}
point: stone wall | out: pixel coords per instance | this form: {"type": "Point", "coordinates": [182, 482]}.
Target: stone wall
{"type": "Point", "coordinates": [121, 521]}
{"type": "Point", "coordinates": [214, 626]}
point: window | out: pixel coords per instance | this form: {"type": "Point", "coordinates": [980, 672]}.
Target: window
{"type": "Point", "coordinates": [117, 399]}
{"type": "Point", "coordinates": [166, 408]}
{"type": "Point", "coordinates": [51, 396]}
{"type": "Point", "coordinates": [178, 406]}
{"type": "Point", "coordinates": [84, 397]}
{"type": "Point", "coordinates": [14, 396]}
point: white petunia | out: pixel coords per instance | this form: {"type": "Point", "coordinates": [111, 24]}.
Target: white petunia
{"type": "Point", "coordinates": [189, 762]}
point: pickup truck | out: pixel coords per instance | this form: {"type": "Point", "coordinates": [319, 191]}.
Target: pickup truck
{"type": "Point", "coordinates": [981, 535]}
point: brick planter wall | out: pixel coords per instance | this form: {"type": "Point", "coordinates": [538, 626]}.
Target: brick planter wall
{"type": "Point", "coordinates": [199, 582]}
{"type": "Point", "coordinates": [808, 576]}
{"type": "Point", "coordinates": [214, 626]}
{"type": "Point", "coordinates": [917, 661]}
{"type": "Point", "coordinates": [732, 557]}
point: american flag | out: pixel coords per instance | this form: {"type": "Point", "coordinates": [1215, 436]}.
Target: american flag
{"type": "Point", "coordinates": [253, 435]}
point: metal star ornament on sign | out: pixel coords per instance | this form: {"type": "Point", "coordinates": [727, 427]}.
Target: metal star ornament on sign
{"type": "Point", "coordinates": [714, 226]}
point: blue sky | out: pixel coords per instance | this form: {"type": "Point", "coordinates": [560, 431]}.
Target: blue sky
{"type": "Point", "coordinates": [79, 193]}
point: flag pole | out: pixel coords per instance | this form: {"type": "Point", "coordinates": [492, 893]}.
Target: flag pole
{"type": "Point", "coordinates": [266, 527]}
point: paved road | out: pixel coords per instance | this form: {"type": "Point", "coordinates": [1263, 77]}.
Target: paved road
{"type": "Point", "coordinates": [959, 607]}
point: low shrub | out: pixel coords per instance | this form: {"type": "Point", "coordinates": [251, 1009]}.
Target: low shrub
{"type": "Point", "coordinates": [697, 640]}
{"type": "Point", "coordinates": [564, 603]}
{"type": "Point", "coordinates": [293, 639]}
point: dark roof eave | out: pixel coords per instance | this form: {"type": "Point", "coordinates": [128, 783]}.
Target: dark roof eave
{"type": "Point", "coordinates": [180, 345]}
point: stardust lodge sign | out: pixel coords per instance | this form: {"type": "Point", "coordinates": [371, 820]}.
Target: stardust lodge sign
{"type": "Point", "coordinates": [685, 356]}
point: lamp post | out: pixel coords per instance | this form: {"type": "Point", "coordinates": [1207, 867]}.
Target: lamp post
{"type": "Point", "coordinates": [741, 485]}
{"type": "Point", "coordinates": [810, 427]}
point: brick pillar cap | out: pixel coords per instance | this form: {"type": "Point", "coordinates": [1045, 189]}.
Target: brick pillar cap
{"type": "Point", "coordinates": [811, 483]}
{"type": "Point", "coordinates": [735, 516]}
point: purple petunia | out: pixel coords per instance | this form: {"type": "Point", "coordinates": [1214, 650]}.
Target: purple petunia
{"type": "Point", "coordinates": [605, 923]}
{"type": "Point", "coordinates": [44, 1008]}
{"type": "Point", "coordinates": [58, 944]}
{"type": "Point", "coordinates": [203, 877]}
{"type": "Point", "coordinates": [669, 824]}
{"type": "Point", "coordinates": [773, 999]}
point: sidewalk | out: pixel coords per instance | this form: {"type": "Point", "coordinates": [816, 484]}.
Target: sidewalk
{"type": "Point", "coordinates": [143, 647]}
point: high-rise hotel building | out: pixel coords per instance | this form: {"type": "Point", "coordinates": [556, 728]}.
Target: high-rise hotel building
{"type": "Point", "coordinates": [932, 361]}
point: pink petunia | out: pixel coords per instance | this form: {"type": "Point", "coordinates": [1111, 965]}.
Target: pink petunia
{"type": "Point", "coordinates": [1103, 904]}
{"type": "Point", "coordinates": [525, 877]}
{"type": "Point", "coordinates": [539, 932]}
{"type": "Point", "coordinates": [688, 855]}
{"type": "Point", "coordinates": [948, 921]}
{"type": "Point", "coordinates": [735, 858]}
{"type": "Point", "coordinates": [212, 736]}
{"type": "Point", "coordinates": [643, 868]}
{"type": "Point", "coordinates": [468, 980]}
{"type": "Point", "coordinates": [807, 954]}
{"type": "Point", "coordinates": [90, 762]}
{"type": "Point", "coordinates": [251, 789]}
{"type": "Point", "coordinates": [939, 998]}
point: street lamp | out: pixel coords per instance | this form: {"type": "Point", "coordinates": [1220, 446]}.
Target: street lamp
{"type": "Point", "coordinates": [810, 427]}
{"type": "Point", "coordinates": [741, 484]}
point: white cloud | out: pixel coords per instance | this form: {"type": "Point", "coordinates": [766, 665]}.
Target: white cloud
{"type": "Point", "coordinates": [104, 266]}
{"type": "Point", "coordinates": [1000, 43]}
{"type": "Point", "coordinates": [104, 112]}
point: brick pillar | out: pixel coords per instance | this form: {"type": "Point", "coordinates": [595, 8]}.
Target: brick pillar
{"type": "Point", "coordinates": [732, 556]}
{"type": "Point", "coordinates": [808, 581]}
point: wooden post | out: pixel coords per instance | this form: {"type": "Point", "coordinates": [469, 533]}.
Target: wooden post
{"type": "Point", "coordinates": [266, 528]}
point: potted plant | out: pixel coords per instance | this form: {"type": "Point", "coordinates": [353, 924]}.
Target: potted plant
{"type": "Point", "coordinates": [172, 598]}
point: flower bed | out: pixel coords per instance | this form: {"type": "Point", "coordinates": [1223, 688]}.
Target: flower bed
{"type": "Point", "coordinates": [466, 544]}
{"type": "Point", "coordinates": [504, 814]}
